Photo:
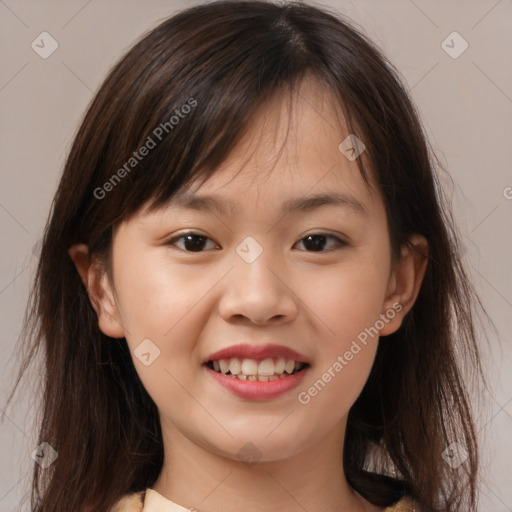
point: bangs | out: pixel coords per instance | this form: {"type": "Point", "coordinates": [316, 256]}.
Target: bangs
{"type": "Point", "coordinates": [176, 118]}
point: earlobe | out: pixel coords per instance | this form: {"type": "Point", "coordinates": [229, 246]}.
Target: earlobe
{"type": "Point", "coordinates": [99, 290]}
{"type": "Point", "coordinates": [405, 282]}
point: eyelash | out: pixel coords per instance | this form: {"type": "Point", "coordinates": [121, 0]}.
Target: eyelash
{"type": "Point", "coordinates": [341, 243]}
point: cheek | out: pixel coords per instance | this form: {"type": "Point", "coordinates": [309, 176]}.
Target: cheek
{"type": "Point", "coordinates": [346, 299]}
{"type": "Point", "coordinates": [347, 306]}
{"type": "Point", "coordinates": [156, 298]}
{"type": "Point", "coordinates": [168, 305]}
{"type": "Point", "coordinates": [156, 304]}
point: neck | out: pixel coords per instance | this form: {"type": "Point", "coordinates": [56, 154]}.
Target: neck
{"type": "Point", "coordinates": [312, 479]}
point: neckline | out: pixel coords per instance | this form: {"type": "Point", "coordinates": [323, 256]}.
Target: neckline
{"type": "Point", "coordinates": [153, 501]}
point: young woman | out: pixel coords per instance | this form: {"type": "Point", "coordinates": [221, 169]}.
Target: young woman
{"type": "Point", "coordinates": [249, 293]}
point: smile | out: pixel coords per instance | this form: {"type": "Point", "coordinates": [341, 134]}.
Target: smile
{"type": "Point", "coordinates": [269, 369]}
{"type": "Point", "coordinates": [251, 379]}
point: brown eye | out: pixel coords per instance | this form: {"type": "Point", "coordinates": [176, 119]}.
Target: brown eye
{"type": "Point", "coordinates": [192, 242]}
{"type": "Point", "coordinates": [316, 242]}
{"type": "Point", "coordinates": [196, 242]}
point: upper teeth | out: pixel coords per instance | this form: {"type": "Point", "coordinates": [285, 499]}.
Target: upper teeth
{"type": "Point", "coordinates": [251, 367]}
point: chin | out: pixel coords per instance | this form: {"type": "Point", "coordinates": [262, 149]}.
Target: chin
{"type": "Point", "coordinates": [259, 448]}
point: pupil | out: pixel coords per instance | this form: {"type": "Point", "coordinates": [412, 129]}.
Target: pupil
{"type": "Point", "coordinates": [315, 246]}
{"type": "Point", "coordinates": [197, 246]}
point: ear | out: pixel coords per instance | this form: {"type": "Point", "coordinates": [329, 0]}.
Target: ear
{"type": "Point", "coordinates": [405, 283]}
{"type": "Point", "coordinates": [99, 289]}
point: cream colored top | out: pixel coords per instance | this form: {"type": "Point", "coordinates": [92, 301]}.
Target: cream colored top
{"type": "Point", "coordinates": [151, 501]}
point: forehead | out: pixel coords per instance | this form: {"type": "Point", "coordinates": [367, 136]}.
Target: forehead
{"type": "Point", "coordinates": [289, 155]}
{"type": "Point", "coordinates": [289, 159]}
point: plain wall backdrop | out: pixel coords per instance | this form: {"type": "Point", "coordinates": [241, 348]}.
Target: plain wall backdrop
{"type": "Point", "coordinates": [464, 95]}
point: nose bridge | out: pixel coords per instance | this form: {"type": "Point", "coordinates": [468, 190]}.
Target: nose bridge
{"type": "Point", "coordinates": [254, 262]}
{"type": "Point", "coordinates": [254, 288]}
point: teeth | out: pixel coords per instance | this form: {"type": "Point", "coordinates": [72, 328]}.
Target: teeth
{"type": "Point", "coordinates": [235, 366]}
{"type": "Point", "coordinates": [280, 364]}
{"type": "Point", "coordinates": [266, 367]}
{"type": "Point", "coordinates": [290, 366]}
{"type": "Point", "coordinates": [224, 366]}
{"type": "Point", "coordinates": [250, 369]}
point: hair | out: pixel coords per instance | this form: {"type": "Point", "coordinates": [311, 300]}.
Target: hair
{"type": "Point", "coordinates": [225, 60]}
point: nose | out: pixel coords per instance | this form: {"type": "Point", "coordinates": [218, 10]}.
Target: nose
{"type": "Point", "coordinates": [259, 292]}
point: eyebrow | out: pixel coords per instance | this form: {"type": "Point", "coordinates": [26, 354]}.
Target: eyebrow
{"type": "Point", "coordinates": [306, 203]}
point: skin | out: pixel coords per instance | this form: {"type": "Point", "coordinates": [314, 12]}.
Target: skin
{"type": "Point", "coordinates": [191, 304]}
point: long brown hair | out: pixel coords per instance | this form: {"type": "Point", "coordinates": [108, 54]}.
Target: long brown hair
{"type": "Point", "coordinates": [224, 60]}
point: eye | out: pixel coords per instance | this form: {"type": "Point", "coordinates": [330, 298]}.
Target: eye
{"type": "Point", "coordinates": [316, 241]}
{"type": "Point", "coordinates": [195, 242]}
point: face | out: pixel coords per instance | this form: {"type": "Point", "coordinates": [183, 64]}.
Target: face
{"type": "Point", "coordinates": [188, 282]}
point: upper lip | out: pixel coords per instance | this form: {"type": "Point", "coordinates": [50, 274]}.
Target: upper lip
{"type": "Point", "coordinates": [246, 351]}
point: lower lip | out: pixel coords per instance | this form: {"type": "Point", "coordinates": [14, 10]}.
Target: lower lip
{"type": "Point", "coordinates": [256, 390]}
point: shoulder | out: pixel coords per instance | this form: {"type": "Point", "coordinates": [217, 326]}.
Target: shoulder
{"type": "Point", "coordinates": [404, 505]}
{"type": "Point", "coordinates": [130, 503]}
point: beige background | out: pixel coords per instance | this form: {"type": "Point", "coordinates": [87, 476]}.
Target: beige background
{"type": "Point", "coordinates": [466, 105]}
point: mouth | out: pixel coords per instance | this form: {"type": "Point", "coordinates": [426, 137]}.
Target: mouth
{"type": "Point", "coordinates": [257, 372]}
{"type": "Point", "coordinates": [261, 370]}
